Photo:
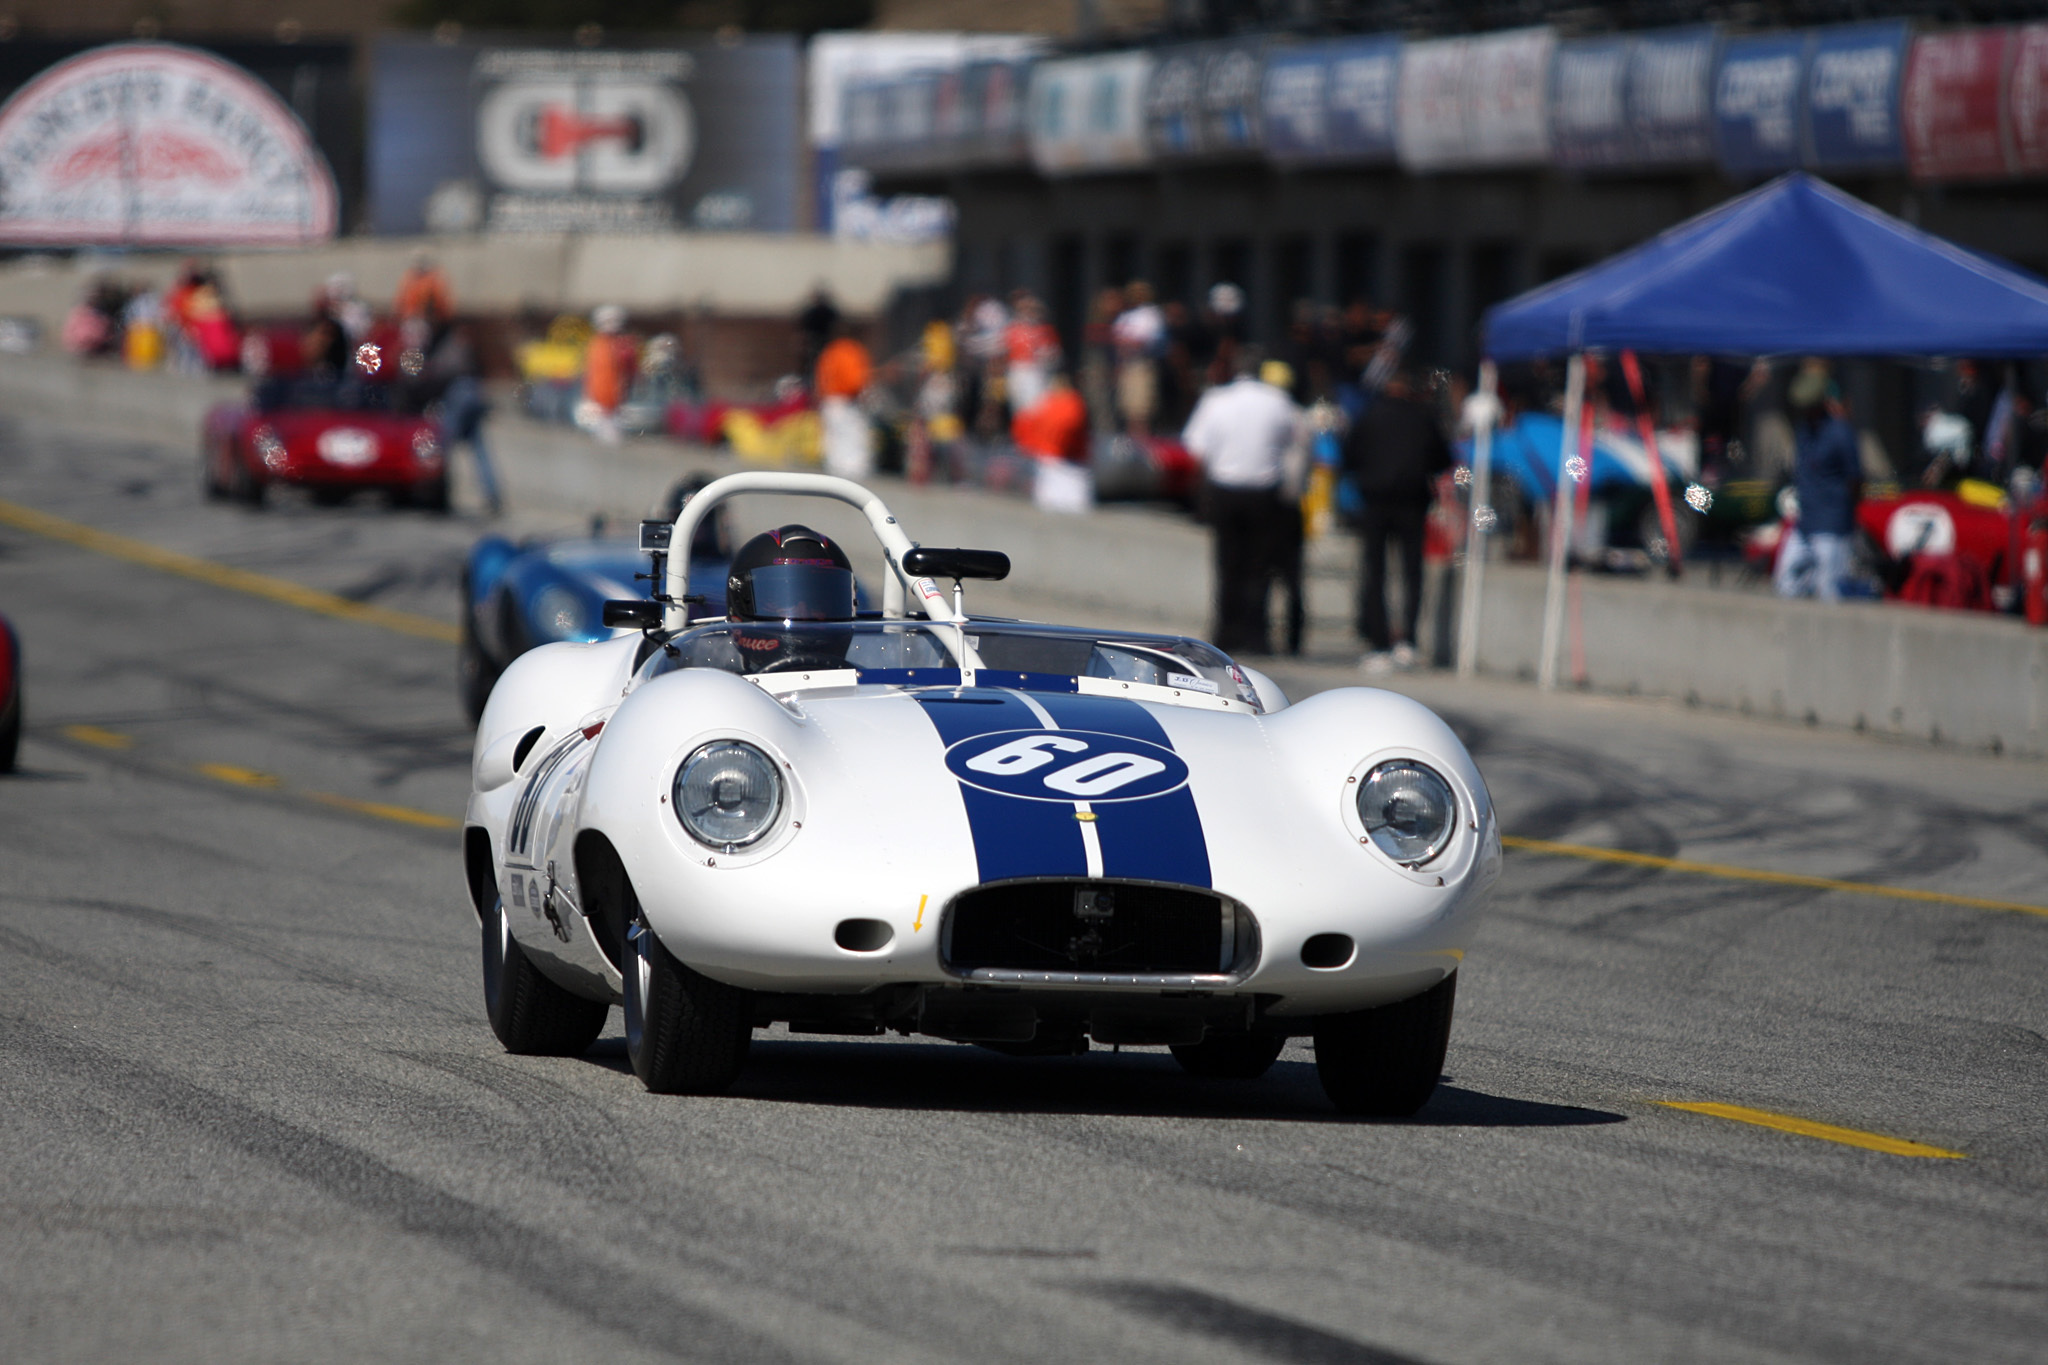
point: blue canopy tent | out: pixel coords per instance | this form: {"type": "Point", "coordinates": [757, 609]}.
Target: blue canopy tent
{"type": "Point", "coordinates": [1795, 267]}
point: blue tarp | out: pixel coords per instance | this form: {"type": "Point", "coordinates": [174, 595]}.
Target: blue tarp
{"type": "Point", "coordinates": [1793, 268]}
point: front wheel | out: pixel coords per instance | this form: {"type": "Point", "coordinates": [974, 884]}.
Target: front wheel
{"type": "Point", "coordinates": [530, 1014]}
{"type": "Point", "coordinates": [1384, 1062]}
{"type": "Point", "coordinates": [1231, 1057]}
{"type": "Point", "coordinates": [685, 1033]}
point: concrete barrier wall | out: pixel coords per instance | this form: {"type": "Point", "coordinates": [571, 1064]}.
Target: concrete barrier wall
{"type": "Point", "coordinates": [738, 274]}
{"type": "Point", "coordinates": [1954, 677]}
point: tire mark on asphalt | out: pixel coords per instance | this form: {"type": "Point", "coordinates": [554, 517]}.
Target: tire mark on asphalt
{"type": "Point", "coordinates": [1216, 1318]}
{"type": "Point", "coordinates": [306, 969]}
{"type": "Point", "coordinates": [607, 1297]}
{"type": "Point", "coordinates": [558, 1118]}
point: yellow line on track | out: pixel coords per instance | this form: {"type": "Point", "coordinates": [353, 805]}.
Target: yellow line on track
{"type": "Point", "coordinates": [241, 777]}
{"type": "Point", "coordinates": [1752, 874]}
{"type": "Point", "coordinates": [98, 737]}
{"type": "Point", "coordinates": [224, 575]}
{"type": "Point", "coordinates": [1826, 1132]}
{"type": "Point", "coordinates": [404, 815]}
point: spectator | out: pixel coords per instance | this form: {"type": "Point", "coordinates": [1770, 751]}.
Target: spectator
{"type": "Point", "coordinates": [1054, 433]}
{"type": "Point", "coordinates": [1098, 358]}
{"type": "Point", "coordinates": [93, 326]}
{"type": "Point", "coordinates": [1222, 332]}
{"type": "Point", "coordinates": [844, 369]}
{"type": "Point", "coordinates": [1242, 433]}
{"type": "Point", "coordinates": [194, 309]}
{"type": "Point", "coordinates": [608, 365]}
{"type": "Point", "coordinates": [1828, 474]}
{"type": "Point", "coordinates": [1032, 348]}
{"type": "Point", "coordinates": [1290, 533]}
{"type": "Point", "coordinates": [425, 305]}
{"type": "Point", "coordinates": [985, 325]}
{"type": "Point", "coordinates": [1139, 334]}
{"type": "Point", "coordinates": [463, 407]}
{"type": "Point", "coordinates": [818, 324]}
{"type": "Point", "coordinates": [1393, 454]}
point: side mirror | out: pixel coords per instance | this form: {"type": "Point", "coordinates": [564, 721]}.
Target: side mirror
{"type": "Point", "coordinates": [636, 612]}
{"type": "Point", "coordinates": [923, 563]}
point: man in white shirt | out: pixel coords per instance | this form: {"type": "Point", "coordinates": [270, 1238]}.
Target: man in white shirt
{"type": "Point", "coordinates": [1243, 434]}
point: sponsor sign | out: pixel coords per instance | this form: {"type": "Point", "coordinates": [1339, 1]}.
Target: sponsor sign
{"type": "Point", "coordinates": [1506, 97]}
{"type": "Point", "coordinates": [1589, 123]}
{"type": "Point", "coordinates": [1202, 99]}
{"type": "Point", "coordinates": [1429, 120]}
{"type": "Point", "coordinates": [1671, 97]}
{"type": "Point", "coordinates": [151, 144]}
{"type": "Point", "coordinates": [1952, 111]}
{"type": "Point", "coordinates": [1088, 113]}
{"type": "Point", "coordinates": [2026, 99]}
{"type": "Point", "coordinates": [1852, 95]}
{"type": "Point", "coordinates": [699, 134]}
{"type": "Point", "coordinates": [1332, 101]}
{"type": "Point", "coordinates": [1756, 102]}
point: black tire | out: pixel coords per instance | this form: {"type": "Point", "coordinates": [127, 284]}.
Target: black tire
{"type": "Point", "coordinates": [1384, 1062]}
{"type": "Point", "coordinates": [209, 477]}
{"type": "Point", "coordinates": [429, 497]}
{"type": "Point", "coordinates": [685, 1033]}
{"type": "Point", "coordinates": [10, 734]}
{"type": "Point", "coordinates": [530, 1014]}
{"type": "Point", "coordinates": [1231, 1057]}
{"type": "Point", "coordinates": [243, 487]}
{"type": "Point", "coordinates": [475, 674]}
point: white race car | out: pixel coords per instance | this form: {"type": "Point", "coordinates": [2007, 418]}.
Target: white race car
{"type": "Point", "coordinates": [1020, 835]}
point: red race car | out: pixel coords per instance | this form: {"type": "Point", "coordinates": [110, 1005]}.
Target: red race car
{"type": "Point", "coordinates": [10, 695]}
{"type": "Point", "coordinates": [1940, 549]}
{"type": "Point", "coordinates": [333, 436]}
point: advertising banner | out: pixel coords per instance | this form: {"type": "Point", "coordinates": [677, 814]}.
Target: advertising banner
{"type": "Point", "coordinates": [1756, 103]}
{"type": "Point", "coordinates": [1088, 113]}
{"type": "Point", "coordinates": [1202, 99]}
{"type": "Point", "coordinates": [1852, 96]}
{"type": "Point", "coordinates": [1671, 96]}
{"type": "Point", "coordinates": [1507, 97]}
{"type": "Point", "coordinates": [2026, 100]}
{"type": "Point", "coordinates": [1589, 126]}
{"type": "Point", "coordinates": [1332, 101]}
{"type": "Point", "coordinates": [541, 139]}
{"type": "Point", "coordinates": [1429, 117]}
{"type": "Point", "coordinates": [150, 144]}
{"type": "Point", "coordinates": [1952, 109]}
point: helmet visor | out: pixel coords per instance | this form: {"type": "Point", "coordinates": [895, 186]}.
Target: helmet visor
{"type": "Point", "coordinates": [803, 592]}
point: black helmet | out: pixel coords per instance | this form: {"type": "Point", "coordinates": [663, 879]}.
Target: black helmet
{"type": "Point", "coordinates": [790, 574]}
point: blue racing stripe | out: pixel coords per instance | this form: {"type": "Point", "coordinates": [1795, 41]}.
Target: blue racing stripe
{"type": "Point", "coordinates": [1157, 840]}
{"type": "Point", "coordinates": [1012, 838]}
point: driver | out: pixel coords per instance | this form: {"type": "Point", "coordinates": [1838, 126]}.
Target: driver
{"type": "Point", "coordinates": [781, 579]}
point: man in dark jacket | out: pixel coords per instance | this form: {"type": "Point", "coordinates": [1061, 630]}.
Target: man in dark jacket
{"type": "Point", "coordinates": [1393, 454]}
{"type": "Point", "coordinates": [1828, 475]}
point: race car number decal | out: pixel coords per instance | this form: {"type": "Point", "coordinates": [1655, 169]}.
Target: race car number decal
{"type": "Point", "coordinates": [1067, 765]}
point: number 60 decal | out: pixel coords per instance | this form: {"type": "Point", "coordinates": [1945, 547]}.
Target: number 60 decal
{"type": "Point", "coordinates": [1067, 765]}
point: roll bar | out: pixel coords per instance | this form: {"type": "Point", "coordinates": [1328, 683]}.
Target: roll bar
{"type": "Point", "coordinates": [895, 544]}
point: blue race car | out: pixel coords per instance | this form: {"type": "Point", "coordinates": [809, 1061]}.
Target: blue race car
{"type": "Point", "coordinates": [517, 596]}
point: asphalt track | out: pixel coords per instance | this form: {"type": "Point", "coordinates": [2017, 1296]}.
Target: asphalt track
{"type": "Point", "coordinates": [250, 1109]}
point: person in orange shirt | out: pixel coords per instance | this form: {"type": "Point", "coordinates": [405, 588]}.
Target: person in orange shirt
{"type": "Point", "coordinates": [608, 364]}
{"type": "Point", "coordinates": [1054, 433]}
{"type": "Point", "coordinates": [425, 304]}
{"type": "Point", "coordinates": [844, 369]}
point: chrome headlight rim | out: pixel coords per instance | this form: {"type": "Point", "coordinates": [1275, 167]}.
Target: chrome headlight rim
{"type": "Point", "coordinates": [1390, 846]}
{"type": "Point", "coordinates": [725, 841]}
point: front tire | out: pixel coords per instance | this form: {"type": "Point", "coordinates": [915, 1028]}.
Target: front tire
{"type": "Point", "coordinates": [1384, 1062]}
{"type": "Point", "coordinates": [685, 1033]}
{"type": "Point", "coordinates": [1231, 1057]}
{"type": "Point", "coordinates": [530, 1014]}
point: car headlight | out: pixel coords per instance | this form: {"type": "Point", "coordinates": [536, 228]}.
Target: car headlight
{"type": "Point", "coordinates": [727, 794]}
{"type": "Point", "coordinates": [559, 613]}
{"type": "Point", "coordinates": [1409, 811]}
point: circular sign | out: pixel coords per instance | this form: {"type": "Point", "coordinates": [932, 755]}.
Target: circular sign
{"type": "Point", "coordinates": [1067, 765]}
{"type": "Point", "coordinates": [151, 144]}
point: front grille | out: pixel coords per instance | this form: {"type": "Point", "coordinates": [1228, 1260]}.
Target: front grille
{"type": "Point", "coordinates": [1097, 928]}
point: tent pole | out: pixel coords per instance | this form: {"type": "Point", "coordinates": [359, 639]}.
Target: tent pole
{"type": "Point", "coordinates": [1561, 525]}
{"type": "Point", "coordinates": [1485, 413]}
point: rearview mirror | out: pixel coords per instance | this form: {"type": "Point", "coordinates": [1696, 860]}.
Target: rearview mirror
{"type": "Point", "coordinates": [923, 563]}
{"type": "Point", "coordinates": [634, 612]}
